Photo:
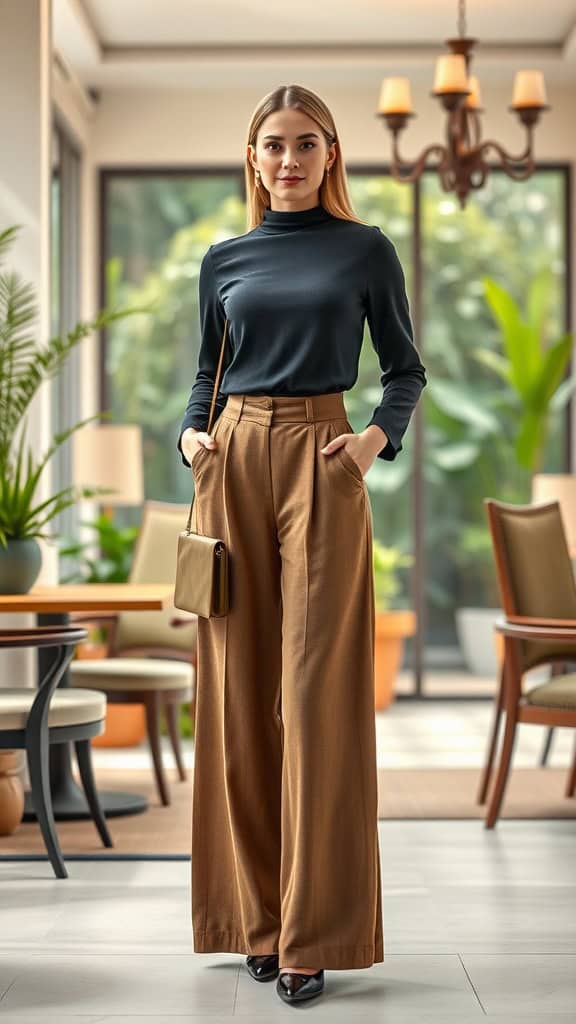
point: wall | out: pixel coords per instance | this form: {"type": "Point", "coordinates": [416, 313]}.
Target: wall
{"type": "Point", "coordinates": [25, 48]}
{"type": "Point", "coordinates": [166, 126]}
{"type": "Point", "coordinates": [77, 116]}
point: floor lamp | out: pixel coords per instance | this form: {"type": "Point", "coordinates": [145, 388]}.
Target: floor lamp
{"type": "Point", "coordinates": [110, 455]}
{"type": "Point", "coordinates": [560, 487]}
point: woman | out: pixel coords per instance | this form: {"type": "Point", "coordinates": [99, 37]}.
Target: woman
{"type": "Point", "coordinates": [285, 859]}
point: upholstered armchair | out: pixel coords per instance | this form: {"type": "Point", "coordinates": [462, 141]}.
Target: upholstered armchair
{"type": "Point", "coordinates": [538, 597]}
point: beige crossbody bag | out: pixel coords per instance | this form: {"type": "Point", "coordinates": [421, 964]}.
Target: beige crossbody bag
{"type": "Point", "coordinates": [202, 579]}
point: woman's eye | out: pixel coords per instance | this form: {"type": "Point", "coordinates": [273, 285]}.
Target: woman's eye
{"type": "Point", "coordinates": [268, 144]}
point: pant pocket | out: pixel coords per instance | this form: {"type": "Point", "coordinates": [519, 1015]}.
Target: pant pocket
{"type": "Point", "coordinates": [344, 458]}
{"type": "Point", "coordinates": [201, 453]}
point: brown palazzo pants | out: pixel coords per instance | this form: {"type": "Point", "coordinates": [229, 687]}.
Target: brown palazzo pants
{"type": "Point", "coordinates": [284, 820]}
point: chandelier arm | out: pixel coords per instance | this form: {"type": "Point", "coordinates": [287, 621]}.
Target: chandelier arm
{"type": "Point", "coordinates": [447, 178]}
{"type": "Point", "coordinates": [476, 131]}
{"type": "Point", "coordinates": [508, 161]}
{"type": "Point", "coordinates": [410, 172]}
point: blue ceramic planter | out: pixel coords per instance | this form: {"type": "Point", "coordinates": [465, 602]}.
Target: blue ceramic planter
{"type": "Point", "coordinates": [20, 564]}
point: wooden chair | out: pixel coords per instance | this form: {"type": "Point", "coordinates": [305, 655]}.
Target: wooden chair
{"type": "Point", "coordinates": [150, 661]}
{"type": "Point", "coordinates": [538, 596]}
{"type": "Point", "coordinates": [32, 719]}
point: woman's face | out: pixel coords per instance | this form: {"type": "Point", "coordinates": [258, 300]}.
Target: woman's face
{"type": "Point", "coordinates": [291, 145]}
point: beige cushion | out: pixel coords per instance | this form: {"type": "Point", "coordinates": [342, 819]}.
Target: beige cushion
{"type": "Point", "coordinates": [132, 674]}
{"type": "Point", "coordinates": [560, 692]}
{"type": "Point", "coordinates": [67, 707]}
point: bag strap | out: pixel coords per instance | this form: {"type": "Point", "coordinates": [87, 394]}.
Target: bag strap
{"type": "Point", "coordinates": [212, 407]}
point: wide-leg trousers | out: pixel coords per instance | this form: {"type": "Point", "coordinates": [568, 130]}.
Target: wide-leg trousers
{"type": "Point", "coordinates": [285, 853]}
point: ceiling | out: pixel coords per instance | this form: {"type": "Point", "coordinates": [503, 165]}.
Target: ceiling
{"type": "Point", "coordinates": [222, 43]}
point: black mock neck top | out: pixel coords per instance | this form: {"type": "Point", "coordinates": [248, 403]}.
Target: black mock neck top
{"type": "Point", "coordinates": [297, 290]}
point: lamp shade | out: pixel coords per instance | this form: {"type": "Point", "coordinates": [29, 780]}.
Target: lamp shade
{"type": "Point", "coordinates": [529, 89]}
{"type": "Point", "coordinates": [560, 487]}
{"type": "Point", "coordinates": [110, 456]}
{"type": "Point", "coordinates": [451, 74]}
{"type": "Point", "coordinates": [395, 96]}
{"type": "Point", "coordinates": [473, 101]}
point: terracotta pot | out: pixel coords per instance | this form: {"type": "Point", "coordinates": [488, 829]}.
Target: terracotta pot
{"type": "Point", "coordinates": [11, 791]}
{"type": "Point", "coordinates": [91, 649]}
{"type": "Point", "coordinates": [125, 726]}
{"type": "Point", "coordinates": [125, 723]}
{"type": "Point", "coordinates": [391, 628]}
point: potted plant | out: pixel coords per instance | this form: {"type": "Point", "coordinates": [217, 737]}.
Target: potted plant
{"type": "Point", "coordinates": [475, 626]}
{"type": "Point", "coordinates": [392, 625]}
{"type": "Point", "coordinates": [24, 365]}
{"type": "Point", "coordinates": [115, 546]}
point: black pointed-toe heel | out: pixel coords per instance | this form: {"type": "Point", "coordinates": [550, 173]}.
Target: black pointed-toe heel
{"type": "Point", "coordinates": [294, 988]}
{"type": "Point", "coordinates": [263, 968]}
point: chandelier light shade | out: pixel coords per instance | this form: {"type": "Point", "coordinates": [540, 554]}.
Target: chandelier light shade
{"type": "Point", "coordinates": [462, 160]}
{"type": "Point", "coordinates": [395, 96]}
{"type": "Point", "coordinates": [529, 90]}
{"type": "Point", "coordinates": [473, 100]}
{"type": "Point", "coordinates": [451, 75]}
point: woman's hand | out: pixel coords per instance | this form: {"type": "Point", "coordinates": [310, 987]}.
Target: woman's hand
{"type": "Point", "coordinates": [193, 439]}
{"type": "Point", "coordinates": [363, 447]}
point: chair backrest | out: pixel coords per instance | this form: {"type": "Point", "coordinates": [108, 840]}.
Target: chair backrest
{"type": "Point", "coordinates": [154, 561]}
{"type": "Point", "coordinates": [534, 571]}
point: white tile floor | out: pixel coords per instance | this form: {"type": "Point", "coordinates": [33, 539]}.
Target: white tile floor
{"type": "Point", "coordinates": [477, 924]}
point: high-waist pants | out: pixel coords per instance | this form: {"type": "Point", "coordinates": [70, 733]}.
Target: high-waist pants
{"type": "Point", "coordinates": [285, 851]}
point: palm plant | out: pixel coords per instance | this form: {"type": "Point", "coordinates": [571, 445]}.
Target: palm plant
{"type": "Point", "coordinates": [24, 364]}
{"type": "Point", "coordinates": [533, 369]}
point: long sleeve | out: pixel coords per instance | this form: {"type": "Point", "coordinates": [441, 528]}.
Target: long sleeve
{"type": "Point", "coordinates": [212, 320]}
{"type": "Point", "coordinates": [403, 374]}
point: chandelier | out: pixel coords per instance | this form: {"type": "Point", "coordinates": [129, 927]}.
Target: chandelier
{"type": "Point", "coordinates": [462, 160]}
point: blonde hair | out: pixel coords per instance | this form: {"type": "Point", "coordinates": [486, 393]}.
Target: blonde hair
{"type": "Point", "coordinates": [333, 192]}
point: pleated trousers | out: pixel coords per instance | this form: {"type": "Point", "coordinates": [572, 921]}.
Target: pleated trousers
{"type": "Point", "coordinates": [285, 853]}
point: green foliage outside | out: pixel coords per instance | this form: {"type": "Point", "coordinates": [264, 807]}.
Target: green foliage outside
{"type": "Point", "coordinates": [532, 366]}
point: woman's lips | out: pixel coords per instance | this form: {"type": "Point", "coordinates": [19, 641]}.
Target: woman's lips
{"type": "Point", "coordinates": [291, 181]}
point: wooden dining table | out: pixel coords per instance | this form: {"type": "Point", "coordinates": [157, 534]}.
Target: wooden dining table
{"type": "Point", "coordinates": [52, 604]}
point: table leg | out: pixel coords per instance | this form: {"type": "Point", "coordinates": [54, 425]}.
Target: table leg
{"type": "Point", "coordinates": [68, 799]}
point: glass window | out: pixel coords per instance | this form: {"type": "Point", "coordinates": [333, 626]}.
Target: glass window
{"type": "Point", "coordinates": [157, 229]}
{"type": "Point", "coordinates": [509, 231]}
